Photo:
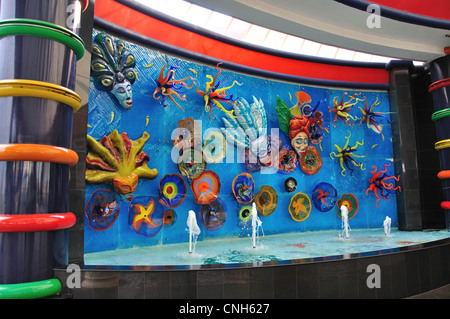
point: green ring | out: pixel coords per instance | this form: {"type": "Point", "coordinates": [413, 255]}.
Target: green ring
{"type": "Point", "coordinates": [30, 290]}
{"type": "Point", "coordinates": [44, 30]}
{"type": "Point", "coordinates": [440, 114]}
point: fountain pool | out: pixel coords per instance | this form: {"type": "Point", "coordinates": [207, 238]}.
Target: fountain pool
{"type": "Point", "coordinates": [279, 247]}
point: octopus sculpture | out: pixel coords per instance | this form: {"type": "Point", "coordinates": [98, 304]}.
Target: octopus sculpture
{"type": "Point", "coordinates": [214, 95]}
{"type": "Point", "coordinates": [119, 161]}
{"type": "Point", "coordinates": [112, 66]}
{"type": "Point", "coordinates": [342, 108]}
{"type": "Point", "coordinates": [373, 118]}
{"type": "Point", "coordinates": [167, 86]}
{"type": "Point", "coordinates": [378, 183]}
{"type": "Point", "coordinates": [346, 155]}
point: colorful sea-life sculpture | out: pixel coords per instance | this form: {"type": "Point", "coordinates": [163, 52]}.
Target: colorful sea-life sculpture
{"type": "Point", "coordinates": [351, 202]}
{"type": "Point", "coordinates": [243, 188]}
{"type": "Point", "coordinates": [112, 66]}
{"type": "Point", "coordinates": [206, 187]}
{"type": "Point", "coordinates": [300, 207]}
{"type": "Point", "coordinates": [214, 147]}
{"type": "Point", "coordinates": [188, 134]}
{"type": "Point", "coordinates": [172, 190]}
{"type": "Point", "coordinates": [346, 155]}
{"type": "Point", "coordinates": [372, 118]}
{"type": "Point", "coordinates": [266, 200]}
{"type": "Point", "coordinates": [287, 161]}
{"type": "Point", "coordinates": [378, 183]}
{"type": "Point", "coordinates": [311, 161]}
{"type": "Point", "coordinates": [191, 163]}
{"type": "Point", "coordinates": [167, 86]}
{"type": "Point", "coordinates": [145, 216]}
{"type": "Point", "coordinates": [118, 160]}
{"type": "Point", "coordinates": [213, 215]}
{"type": "Point", "coordinates": [213, 94]}
{"type": "Point", "coordinates": [244, 214]}
{"type": "Point", "coordinates": [290, 184]}
{"type": "Point", "coordinates": [170, 217]}
{"type": "Point", "coordinates": [302, 99]}
{"type": "Point", "coordinates": [341, 110]}
{"type": "Point", "coordinates": [102, 209]}
{"type": "Point", "coordinates": [248, 130]}
{"type": "Point", "coordinates": [324, 196]}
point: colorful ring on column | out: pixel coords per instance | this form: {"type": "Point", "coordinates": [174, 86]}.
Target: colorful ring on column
{"type": "Point", "coordinates": [30, 290]}
{"type": "Point", "coordinates": [36, 222]}
{"type": "Point", "coordinates": [440, 114]}
{"type": "Point", "coordinates": [444, 174]}
{"type": "Point", "coordinates": [442, 144]}
{"type": "Point", "coordinates": [84, 5]}
{"type": "Point", "coordinates": [37, 153]}
{"type": "Point", "coordinates": [438, 84]}
{"type": "Point", "coordinates": [40, 89]}
{"type": "Point", "coordinates": [445, 205]}
{"type": "Point", "coordinates": [43, 29]}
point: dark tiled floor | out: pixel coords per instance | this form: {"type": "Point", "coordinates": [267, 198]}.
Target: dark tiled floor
{"type": "Point", "coordinates": [439, 293]}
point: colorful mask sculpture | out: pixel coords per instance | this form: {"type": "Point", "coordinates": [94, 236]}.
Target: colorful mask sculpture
{"type": "Point", "coordinates": [324, 196]}
{"type": "Point", "coordinates": [378, 183]}
{"type": "Point", "coordinates": [119, 161]}
{"type": "Point", "coordinates": [213, 215]}
{"type": "Point", "coordinates": [243, 188]}
{"type": "Point", "coordinates": [214, 95]}
{"type": "Point", "coordinates": [102, 209]}
{"type": "Point", "coordinates": [112, 66]}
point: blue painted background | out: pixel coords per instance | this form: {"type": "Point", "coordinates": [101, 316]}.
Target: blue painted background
{"type": "Point", "coordinates": [163, 120]}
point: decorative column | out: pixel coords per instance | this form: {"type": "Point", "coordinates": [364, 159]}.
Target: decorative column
{"type": "Point", "coordinates": [440, 88]}
{"type": "Point", "coordinates": [39, 46]}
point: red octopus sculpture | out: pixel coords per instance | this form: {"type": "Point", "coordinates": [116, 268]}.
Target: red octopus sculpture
{"type": "Point", "coordinates": [378, 183]}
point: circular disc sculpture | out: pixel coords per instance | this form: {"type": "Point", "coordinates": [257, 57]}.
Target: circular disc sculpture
{"type": "Point", "coordinates": [300, 207]}
{"type": "Point", "coordinates": [172, 190]}
{"type": "Point", "coordinates": [351, 202]}
{"type": "Point", "coordinates": [145, 216]}
{"type": "Point", "coordinates": [102, 209]}
{"type": "Point", "coordinates": [213, 215]}
{"type": "Point", "coordinates": [324, 196]}
{"type": "Point", "coordinates": [266, 200]}
{"type": "Point", "coordinates": [191, 163]}
{"type": "Point", "coordinates": [206, 187]}
{"type": "Point", "coordinates": [311, 161]}
{"type": "Point", "coordinates": [243, 188]}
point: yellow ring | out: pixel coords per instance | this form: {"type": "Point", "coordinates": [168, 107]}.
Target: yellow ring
{"type": "Point", "coordinates": [442, 144]}
{"type": "Point", "coordinates": [40, 89]}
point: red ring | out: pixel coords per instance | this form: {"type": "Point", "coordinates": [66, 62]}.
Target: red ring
{"type": "Point", "coordinates": [37, 153]}
{"type": "Point", "coordinates": [36, 222]}
{"type": "Point", "coordinates": [438, 84]}
{"type": "Point", "coordinates": [444, 174]}
{"type": "Point", "coordinates": [445, 205]}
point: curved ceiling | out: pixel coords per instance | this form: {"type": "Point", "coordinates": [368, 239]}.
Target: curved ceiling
{"type": "Point", "coordinates": [394, 33]}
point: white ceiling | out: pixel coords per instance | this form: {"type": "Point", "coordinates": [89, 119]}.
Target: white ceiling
{"type": "Point", "coordinates": [335, 24]}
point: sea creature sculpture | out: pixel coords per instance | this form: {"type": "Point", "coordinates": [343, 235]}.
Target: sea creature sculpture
{"type": "Point", "coordinates": [378, 183]}
{"type": "Point", "coordinates": [206, 187]}
{"type": "Point", "coordinates": [371, 117]}
{"type": "Point", "coordinates": [167, 86]}
{"type": "Point", "coordinates": [342, 108]}
{"type": "Point", "coordinates": [213, 215]}
{"type": "Point", "coordinates": [266, 200]}
{"type": "Point", "coordinates": [112, 66]}
{"type": "Point", "coordinates": [243, 188]}
{"type": "Point", "coordinates": [300, 207]}
{"type": "Point", "coordinates": [213, 95]}
{"type": "Point", "coordinates": [248, 130]}
{"type": "Point", "coordinates": [172, 190]}
{"type": "Point", "coordinates": [145, 216]}
{"type": "Point", "coordinates": [350, 201]}
{"type": "Point", "coordinates": [102, 209]}
{"type": "Point", "coordinates": [118, 160]}
{"type": "Point", "coordinates": [324, 196]}
{"type": "Point", "coordinates": [346, 155]}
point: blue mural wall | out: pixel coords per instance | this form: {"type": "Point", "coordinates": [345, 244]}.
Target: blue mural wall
{"type": "Point", "coordinates": [113, 221]}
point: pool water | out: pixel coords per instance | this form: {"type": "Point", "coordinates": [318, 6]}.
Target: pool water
{"type": "Point", "coordinates": [278, 247]}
